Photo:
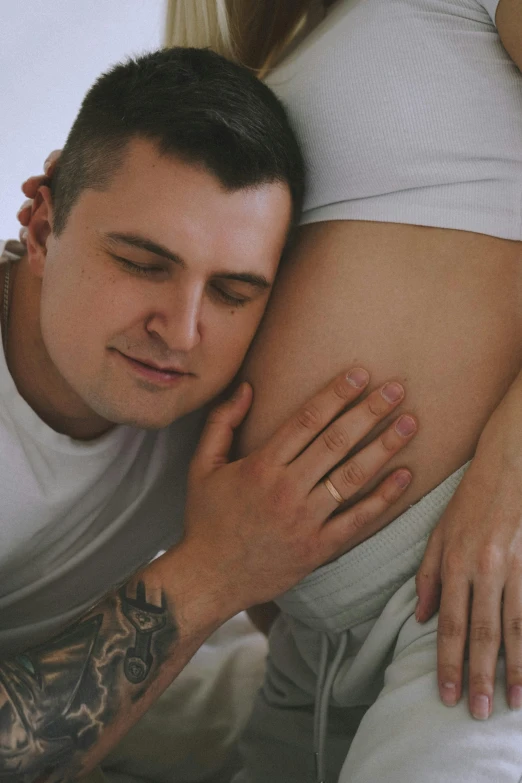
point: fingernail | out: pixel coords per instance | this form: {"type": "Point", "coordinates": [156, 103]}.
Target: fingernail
{"type": "Point", "coordinates": [358, 377]}
{"type": "Point", "coordinates": [402, 479]}
{"type": "Point", "coordinates": [448, 693]}
{"type": "Point", "coordinates": [480, 707]}
{"type": "Point", "coordinates": [515, 697]}
{"type": "Point", "coordinates": [47, 165]}
{"type": "Point", "coordinates": [392, 392]}
{"type": "Point", "coordinates": [27, 203]}
{"type": "Point", "coordinates": [23, 234]}
{"type": "Point", "coordinates": [405, 426]}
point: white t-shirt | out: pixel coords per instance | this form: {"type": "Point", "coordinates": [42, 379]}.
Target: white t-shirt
{"type": "Point", "coordinates": [408, 111]}
{"type": "Point", "coordinates": [78, 518]}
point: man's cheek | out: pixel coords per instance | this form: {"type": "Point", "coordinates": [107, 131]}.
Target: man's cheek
{"type": "Point", "coordinates": [240, 348]}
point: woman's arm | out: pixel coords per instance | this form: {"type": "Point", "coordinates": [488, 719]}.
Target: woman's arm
{"type": "Point", "coordinates": [474, 557]}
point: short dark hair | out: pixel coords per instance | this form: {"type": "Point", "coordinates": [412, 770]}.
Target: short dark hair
{"type": "Point", "coordinates": [195, 105]}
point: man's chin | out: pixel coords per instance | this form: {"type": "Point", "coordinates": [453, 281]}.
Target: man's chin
{"type": "Point", "coordinates": [145, 421]}
{"type": "Point", "coordinates": [146, 412]}
{"type": "Point", "coordinates": [151, 418]}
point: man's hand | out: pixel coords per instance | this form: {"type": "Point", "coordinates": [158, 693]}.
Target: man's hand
{"type": "Point", "coordinates": [254, 527]}
{"type": "Point", "coordinates": [30, 189]}
{"type": "Point", "coordinates": [262, 523]}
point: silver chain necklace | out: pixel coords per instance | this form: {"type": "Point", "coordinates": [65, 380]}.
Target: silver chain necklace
{"type": "Point", "coordinates": [5, 307]}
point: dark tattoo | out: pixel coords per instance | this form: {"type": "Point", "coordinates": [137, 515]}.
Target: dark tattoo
{"type": "Point", "coordinates": [56, 699]}
{"type": "Point", "coordinates": [147, 619]}
{"type": "Point", "coordinates": [40, 717]}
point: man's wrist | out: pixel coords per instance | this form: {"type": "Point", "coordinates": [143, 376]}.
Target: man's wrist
{"type": "Point", "coordinates": [203, 598]}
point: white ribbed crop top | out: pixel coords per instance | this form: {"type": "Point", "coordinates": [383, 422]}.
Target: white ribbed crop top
{"type": "Point", "coordinates": [408, 111]}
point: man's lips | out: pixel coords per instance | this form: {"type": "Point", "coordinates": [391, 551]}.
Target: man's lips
{"type": "Point", "coordinates": [155, 372]}
{"type": "Point", "coordinates": [158, 367]}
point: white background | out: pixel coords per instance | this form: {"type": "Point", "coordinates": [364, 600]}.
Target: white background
{"type": "Point", "coordinates": [51, 51]}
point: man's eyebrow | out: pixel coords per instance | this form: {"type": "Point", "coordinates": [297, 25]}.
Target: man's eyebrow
{"type": "Point", "coordinates": [259, 281]}
{"type": "Point", "coordinates": [142, 243]}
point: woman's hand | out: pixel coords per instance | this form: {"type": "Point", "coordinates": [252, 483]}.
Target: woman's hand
{"type": "Point", "coordinates": [30, 189]}
{"type": "Point", "coordinates": [258, 525]}
{"type": "Point", "coordinates": [473, 563]}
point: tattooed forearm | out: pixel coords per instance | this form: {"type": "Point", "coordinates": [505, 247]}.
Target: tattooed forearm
{"type": "Point", "coordinates": [147, 619]}
{"type": "Point", "coordinates": [41, 703]}
{"type": "Point", "coordinates": [57, 699]}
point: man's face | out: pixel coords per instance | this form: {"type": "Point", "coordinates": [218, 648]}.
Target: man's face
{"type": "Point", "coordinates": [152, 293]}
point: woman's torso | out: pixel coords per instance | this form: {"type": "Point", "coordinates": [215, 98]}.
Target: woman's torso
{"type": "Point", "coordinates": [436, 307]}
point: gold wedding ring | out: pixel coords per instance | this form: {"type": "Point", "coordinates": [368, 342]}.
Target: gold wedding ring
{"type": "Point", "coordinates": [332, 490]}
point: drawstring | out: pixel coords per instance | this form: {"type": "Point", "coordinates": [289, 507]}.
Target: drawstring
{"type": "Point", "coordinates": [321, 675]}
{"type": "Point", "coordinates": [325, 680]}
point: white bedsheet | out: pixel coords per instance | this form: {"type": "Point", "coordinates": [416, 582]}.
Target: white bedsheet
{"type": "Point", "coordinates": [190, 734]}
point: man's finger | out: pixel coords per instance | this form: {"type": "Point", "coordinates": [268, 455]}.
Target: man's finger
{"type": "Point", "coordinates": [216, 440]}
{"type": "Point", "coordinates": [342, 435]}
{"type": "Point", "coordinates": [350, 477]}
{"type": "Point", "coordinates": [312, 417]}
{"type": "Point", "coordinates": [512, 633]}
{"type": "Point", "coordinates": [484, 644]}
{"type": "Point", "coordinates": [24, 213]}
{"type": "Point", "coordinates": [452, 633]}
{"type": "Point", "coordinates": [50, 162]}
{"type": "Point", "coordinates": [347, 529]}
{"type": "Point", "coordinates": [31, 185]}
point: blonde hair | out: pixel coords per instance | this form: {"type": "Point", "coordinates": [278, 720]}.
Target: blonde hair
{"type": "Point", "coordinates": [253, 33]}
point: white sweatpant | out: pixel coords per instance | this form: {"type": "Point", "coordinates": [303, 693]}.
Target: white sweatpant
{"type": "Point", "coordinates": [409, 735]}
{"type": "Point", "coordinates": [380, 717]}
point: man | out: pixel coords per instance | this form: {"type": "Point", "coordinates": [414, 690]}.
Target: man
{"type": "Point", "coordinates": [149, 264]}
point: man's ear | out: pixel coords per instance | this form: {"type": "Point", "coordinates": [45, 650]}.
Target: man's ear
{"type": "Point", "coordinates": [39, 230]}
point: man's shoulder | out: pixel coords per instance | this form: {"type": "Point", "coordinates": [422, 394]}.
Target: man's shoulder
{"type": "Point", "coordinates": [11, 250]}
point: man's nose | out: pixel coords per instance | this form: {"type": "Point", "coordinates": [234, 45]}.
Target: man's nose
{"type": "Point", "coordinates": [178, 322]}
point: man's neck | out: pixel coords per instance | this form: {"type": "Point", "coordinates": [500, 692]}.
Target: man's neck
{"type": "Point", "coordinates": [33, 372]}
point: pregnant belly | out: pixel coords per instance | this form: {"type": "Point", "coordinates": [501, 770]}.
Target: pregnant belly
{"type": "Point", "coordinates": [437, 309]}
